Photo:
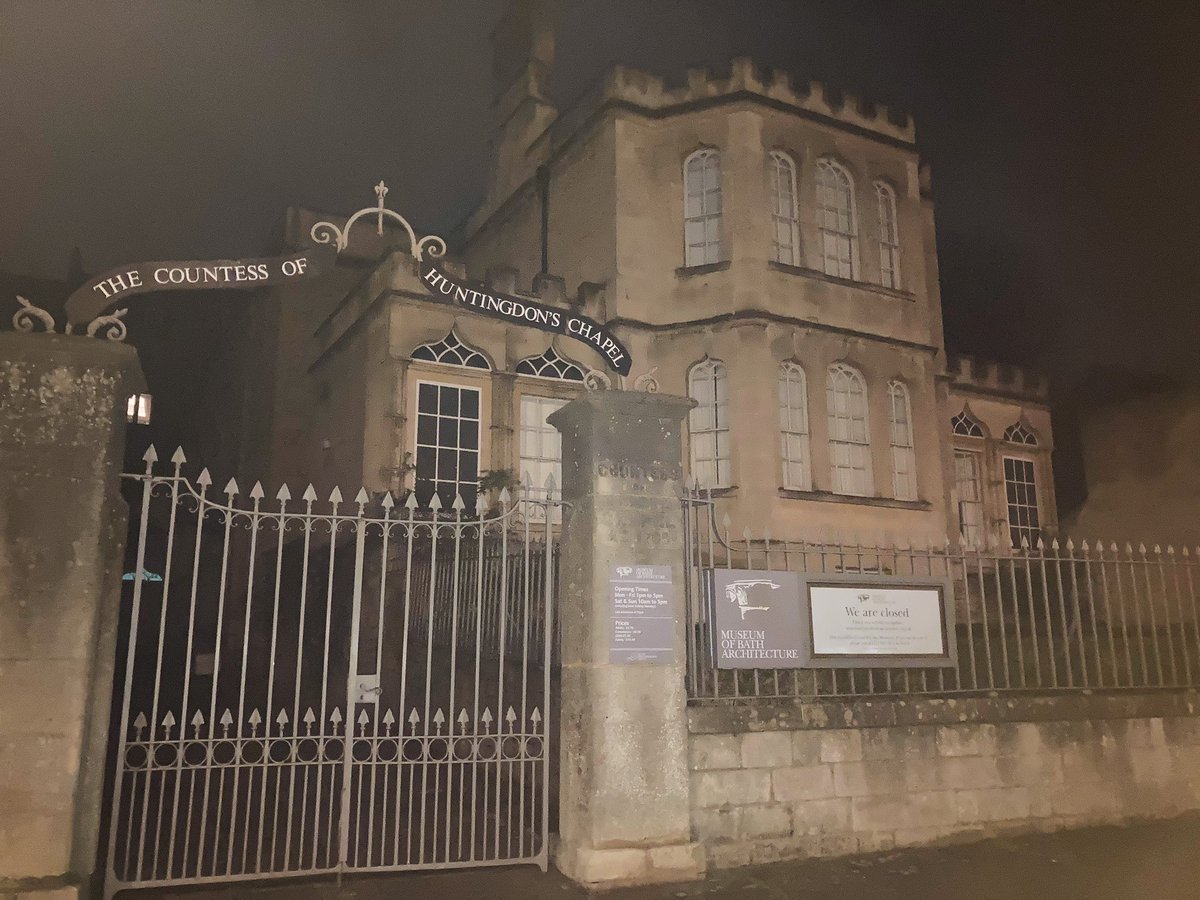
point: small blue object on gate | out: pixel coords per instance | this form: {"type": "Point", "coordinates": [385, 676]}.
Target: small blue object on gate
{"type": "Point", "coordinates": [146, 576]}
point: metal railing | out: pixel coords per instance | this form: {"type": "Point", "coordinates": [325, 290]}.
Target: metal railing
{"type": "Point", "coordinates": [283, 708]}
{"type": "Point", "coordinates": [1054, 617]}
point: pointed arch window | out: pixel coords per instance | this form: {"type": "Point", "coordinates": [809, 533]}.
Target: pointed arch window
{"type": "Point", "coordinates": [451, 351]}
{"type": "Point", "coordinates": [1017, 433]}
{"type": "Point", "coordinates": [889, 236]}
{"type": "Point", "coordinates": [702, 208]}
{"type": "Point", "coordinates": [550, 365]}
{"type": "Point", "coordinates": [849, 435]}
{"type": "Point", "coordinates": [708, 423]}
{"type": "Point", "coordinates": [785, 220]}
{"type": "Point", "coordinates": [836, 219]}
{"type": "Point", "coordinates": [904, 462]}
{"type": "Point", "coordinates": [966, 425]}
{"type": "Point", "coordinates": [793, 427]}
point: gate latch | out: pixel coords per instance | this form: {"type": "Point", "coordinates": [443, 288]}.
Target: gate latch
{"type": "Point", "coordinates": [368, 688]}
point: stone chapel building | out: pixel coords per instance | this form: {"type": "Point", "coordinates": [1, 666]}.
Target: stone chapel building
{"type": "Point", "coordinates": [763, 246]}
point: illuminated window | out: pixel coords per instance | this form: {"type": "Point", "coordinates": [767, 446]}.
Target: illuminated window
{"type": "Point", "coordinates": [702, 208]}
{"type": "Point", "coordinates": [785, 223]}
{"type": "Point", "coordinates": [836, 219]}
{"type": "Point", "coordinates": [793, 427]}
{"type": "Point", "coordinates": [1019, 434]}
{"type": "Point", "coordinates": [541, 447]}
{"type": "Point", "coordinates": [968, 489]}
{"type": "Point", "coordinates": [1020, 488]}
{"type": "Point", "coordinates": [904, 464]}
{"type": "Point", "coordinates": [708, 423]}
{"type": "Point", "coordinates": [451, 351]}
{"type": "Point", "coordinates": [137, 409]}
{"type": "Point", "coordinates": [966, 425]}
{"type": "Point", "coordinates": [447, 443]}
{"type": "Point", "coordinates": [889, 237]}
{"type": "Point", "coordinates": [849, 436]}
{"type": "Point", "coordinates": [550, 365]}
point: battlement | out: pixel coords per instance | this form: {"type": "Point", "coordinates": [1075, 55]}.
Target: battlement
{"type": "Point", "coordinates": [653, 92]}
{"type": "Point", "coordinates": [997, 378]}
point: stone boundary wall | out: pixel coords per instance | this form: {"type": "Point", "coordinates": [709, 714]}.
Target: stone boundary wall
{"type": "Point", "coordinates": [767, 789]}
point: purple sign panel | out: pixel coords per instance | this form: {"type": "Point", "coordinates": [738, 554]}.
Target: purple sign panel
{"type": "Point", "coordinates": [643, 628]}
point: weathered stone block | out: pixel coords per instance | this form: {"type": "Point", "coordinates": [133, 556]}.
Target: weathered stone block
{"type": "Point", "coordinates": [738, 787]}
{"type": "Point", "coordinates": [677, 862]}
{"type": "Point", "coordinates": [844, 745]}
{"type": "Point", "coordinates": [609, 866]}
{"type": "Point", "coordinates": [1090, 801]}
{"type": "Point", "coordinates": [1151, 766]}
{"type": "Point", "coordinates": [766, 821]}
{"type": "Point", "coordinates": [1087, 763]}
{"type": "Point", "coordinates": [1019, 739]}
{"type": "Point", "coordinates": [992, 805]}
{"type": "Point", "coordinates": [880, 813]}
{"type": "Point", "coordinates": [860, 779]}
{"type": "Point", "coordinates": [1043, 769]}
{"type": "Point", "coordinates": [875, 841]}
{"type": "Point", "coordinates": [713, 751]}
{"type": "Point", "coordinates": [717, 823]}
{"type": "Point", "coordinates": [821, 816]}
{"type": "Point", "coordinates": [806, 747]}
{"type": "Point", "coordinates": [766, 749]}
{"type": "Point", "coordinates": [802, 783]}
{"type": "Point", "coordinates": [1182, 729]}
{"type": "Point", "coordinates": [968, 772]}
{"type": "Point", "coordinates": [977, 739]}
{"type": "Point", "coordinates": [901, 742]}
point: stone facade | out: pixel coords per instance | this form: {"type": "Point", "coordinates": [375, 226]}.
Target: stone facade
{"type": "Point", "coordinates": [805, 786]}
{"type": "Point", "coordinates": [596, 194]}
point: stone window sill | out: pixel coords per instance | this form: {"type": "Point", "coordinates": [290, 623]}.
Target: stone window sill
{"type": "Point", "coordinates": [847, 282]}
{"type": "Point", "coordinates": [688, 271]}
{"type": "Point", "coordinates": [717, 492]}
{"type": "Point", "coordinates": [831, 497]}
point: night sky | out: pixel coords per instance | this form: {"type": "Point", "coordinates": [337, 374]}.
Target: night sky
{"type": "Point", "coordinates": [1063, 136]}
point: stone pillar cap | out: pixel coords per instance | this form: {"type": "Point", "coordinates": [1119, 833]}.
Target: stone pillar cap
{"type": "Point", "coordinates": [627, 403]}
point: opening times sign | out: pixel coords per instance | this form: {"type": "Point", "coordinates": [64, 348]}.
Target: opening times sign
{"type": "Point", "coordinates": [643, 627]}
{"type": "Point", "coordinates": [780, 620]}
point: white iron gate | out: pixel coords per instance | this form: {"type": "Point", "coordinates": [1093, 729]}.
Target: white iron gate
{"type": "Point", "coordinates": [312, 692]}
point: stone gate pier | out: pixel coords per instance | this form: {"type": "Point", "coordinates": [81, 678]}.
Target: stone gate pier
{"type": "Point", "coordinates": [624, 794]}
{"type": "Point", "coordinates": [62, 538]}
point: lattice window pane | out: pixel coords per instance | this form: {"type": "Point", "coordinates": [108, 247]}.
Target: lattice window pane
{"type": "Point", "coordinates": [447, 456]}
{"type": "Point", "coordinates": [541, 448]}
{"type": "Point", "coordinates": [835, 219]}
{"type": "Point", "coordinates": [1019, 434]}
{"type": "Point", "coordinates": [708, 423]}
{"type": "Point", "coordinates": [889, 236]}
{"type": "Point", "coordinates": [1021, 492]}
{"type": "Point", "coordinates": [966, 425]}
{"type": "Point", "coordinates": [968, 488]}
{"type": "Point", "coordinates": [451, 351]}
{"type": "Point", "coordinates": [782, 180]}
{"type": "Point", "coordinates": [702, 208]}
{"type": "Point", "coordinates": [550, 365]}
{"type": "Point", "coordinates": [849, 434]}
{"type": "Point", "coordinates": [793, 424]}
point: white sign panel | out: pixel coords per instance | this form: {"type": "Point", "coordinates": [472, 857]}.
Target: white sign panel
{"type": "Point", "coordinates": [869, 620]}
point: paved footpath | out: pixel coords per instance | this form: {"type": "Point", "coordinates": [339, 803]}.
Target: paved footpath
{"type": "Point", "coordinates": [1159, 861]}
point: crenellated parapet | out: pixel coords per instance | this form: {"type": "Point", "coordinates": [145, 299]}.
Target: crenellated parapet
{"type": "Point", "coordinates": [652, 92]}
{"type": "Point", "coordinates": [997, 378]}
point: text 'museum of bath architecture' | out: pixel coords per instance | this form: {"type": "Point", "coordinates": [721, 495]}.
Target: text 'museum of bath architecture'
{"type": "Point", "coordinates": [763, 246]}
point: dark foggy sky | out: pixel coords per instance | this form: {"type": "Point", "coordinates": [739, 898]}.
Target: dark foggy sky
{"type": "Point", "coordinates": [1063, 136]}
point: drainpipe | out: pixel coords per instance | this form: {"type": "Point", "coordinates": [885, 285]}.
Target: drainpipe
{"type": "Point", "coordinates": [543, 178]}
